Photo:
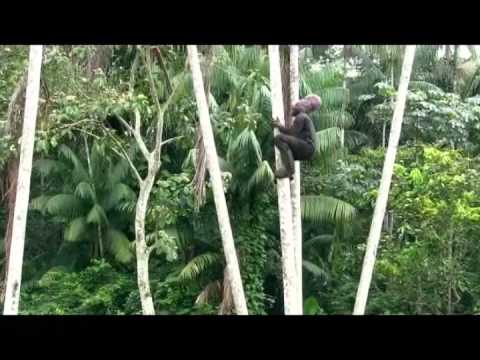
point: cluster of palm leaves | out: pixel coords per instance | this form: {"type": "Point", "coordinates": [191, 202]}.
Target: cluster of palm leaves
{"type": "Point", "coordinates": [94, 202]}
{"type": "Point", "coordinates": [241, 112]}
{"type": "Point", "coordinates": [240, 83]}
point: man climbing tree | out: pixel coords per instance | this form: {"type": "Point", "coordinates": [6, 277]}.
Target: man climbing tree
{"type": "Point", "coordinates": [298, 141]}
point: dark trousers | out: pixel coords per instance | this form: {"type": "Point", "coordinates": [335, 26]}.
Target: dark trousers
{"type": "Point", "coordinates": [292, 148]}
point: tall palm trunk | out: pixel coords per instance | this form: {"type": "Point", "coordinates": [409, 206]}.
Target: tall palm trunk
{"type": "Point", "coordinates": [290, 281]}
{"type": "Point", "coordinates": [382, 198]}
{"type": "Point", "coordinates": [14, 277]}
{"type": "Point", "coordinates": [12, 128]}
{"type": "Point", "coordinates": [201, 161]}
{"type": "Point", "coordinates": [294, 89]}
{"type": "Point", "coordinates": [217, 185]}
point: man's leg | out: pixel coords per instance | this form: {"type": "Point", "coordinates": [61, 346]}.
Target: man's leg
{"type": "Point", "coordinates": [282, 143]}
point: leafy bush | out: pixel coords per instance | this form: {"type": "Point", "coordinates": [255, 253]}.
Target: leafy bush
{"type": "Point", "coordinates": [97, 290]}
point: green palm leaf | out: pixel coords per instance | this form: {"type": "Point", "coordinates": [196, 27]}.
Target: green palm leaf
{"type": "Point", "coordinates": [198, 265]}
{"type": "Point", "coordinates": [314, 269]}
{"type": "Point", "coordinates": [262, 176]}
{"type": "Point", "coordinates": [75, 229]}
{"type": "Point", "coordinates": [211, 292]}
{"type": "Point", "coordinates": [330, 118]}
{"type": "Point", "coordinates": [119, 245]}
{"type": "Point", "coordinates": [47, 167]}
{"type": "Point", "coordinates": [264, 105]}
{"type": "Point", "coordinates": [328, 139]}
{"type": "Point", "coordinates": [119, 172]}
{"type": "Point", "coordinates": [79, 172]}
{"type": "Point", "coordinates": [40, 203]}
{"type": "Point", "coordinates": [319, 239]}
{"type": "Point", "coordinates": [99, 160]}
{"type": "Point", "coordinates": [252, 56]}
{"type": "Point", "coordinates": [245, 141]}
{"type": "Point", "coordinates": [322, 208]}
{"type": "Point", "coordinates": [127, 207]}
{"type": "Point", "coordinates": [120, 192]}
{"type": "Point", "coordinates": [64, 205]}
{"type": "Point", "coordinates": [326, 77]}
{"type": "Point", "coordinates": [85, 191]}
{"type": "Point", "coordinates": [97, 215]}
{"type": "Point", "coordinates": [354, 138]}
{"type": "Point", "coordinates": [333, 97]}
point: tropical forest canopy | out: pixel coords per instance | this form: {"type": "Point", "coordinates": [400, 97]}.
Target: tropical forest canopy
{"type": "Point", "coordinates": [80, 240]}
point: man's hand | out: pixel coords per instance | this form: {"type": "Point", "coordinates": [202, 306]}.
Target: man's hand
{"type": "Point", "coordinates": [276, 122]}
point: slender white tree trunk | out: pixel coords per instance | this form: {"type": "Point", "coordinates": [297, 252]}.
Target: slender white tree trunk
{"type": "Point", "coordinates": [217, 184]}
{"type": "Point", "coordinates": [284, 199]}
{"type": "Point", "coordinates": [153, 158]}
{"type": "Point", "coordinates": [141, 247]}
{"type": "Point", "coordinates": [382, 198]}
{"type": "Point", "coordinates": [14, 277]}
{"type": "Point", "coordinates": [295, 184]}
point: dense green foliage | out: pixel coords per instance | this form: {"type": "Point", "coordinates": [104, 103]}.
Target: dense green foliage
{"type": "Point", "coordinates": [80, 250]}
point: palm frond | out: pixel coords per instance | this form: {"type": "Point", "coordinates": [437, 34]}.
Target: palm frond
{"type": "Point", "coordinates": [469, 80]}
{"type": "Point", "coordinates": [225, 76]}
{"type": "Point", "coordinates": [326, 77]}
{"type": "Point", "coordinates": [211, 293]}
{"type": "Point", "coordinates": [127, 207]}
{"type": "Point", "coordinates": [97, 215]}
{"type": "Point", "coordinates": [64, 205]}
{"type": "Point", "coordinates": [75, 229]}
{"type": "Point", "coordinates": [198, 265]}
{"type": "Point", "coordinates": [319, 239]}
{"type": "Point", "coordinates": [333, 97]}
{"type": "Point", "coordinates": [120, 192]}
{"type": "Point", "coordinates": [328, 139]}
{"type": "Point", "coordinates": [249, 57]}
{"type": "Point", "coordinates": [119, 245]}
{"type": "Point", "coordinates": [85, 191]}
{"type": "Point", "coordinates": [323, 208]}
{"type": "Point", "coordinates": [264, 105]}
{"type": "Point", "coordinates": [99, 161]}
{"type": "Point", "coordinates": [305, 88]}
{"type": "Point", "coordinates": [47, 167]}
{"type": "Point", "coordinates": [40, 203]}
{"type": "Point", "coordinates": [314, 269]}
{"type": "Point", "coordinates": [354, 139]}
{"type": "Point", "coordinates": [79, 172]}
{"type": "Point", "coordinates": [119, 171]}
{"type": "Point", "coordinates": [243, 143]}
{"type": "Point", "coordinates": [263, 176]}
{"type": "Point", "coordinates": [330, 118]}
